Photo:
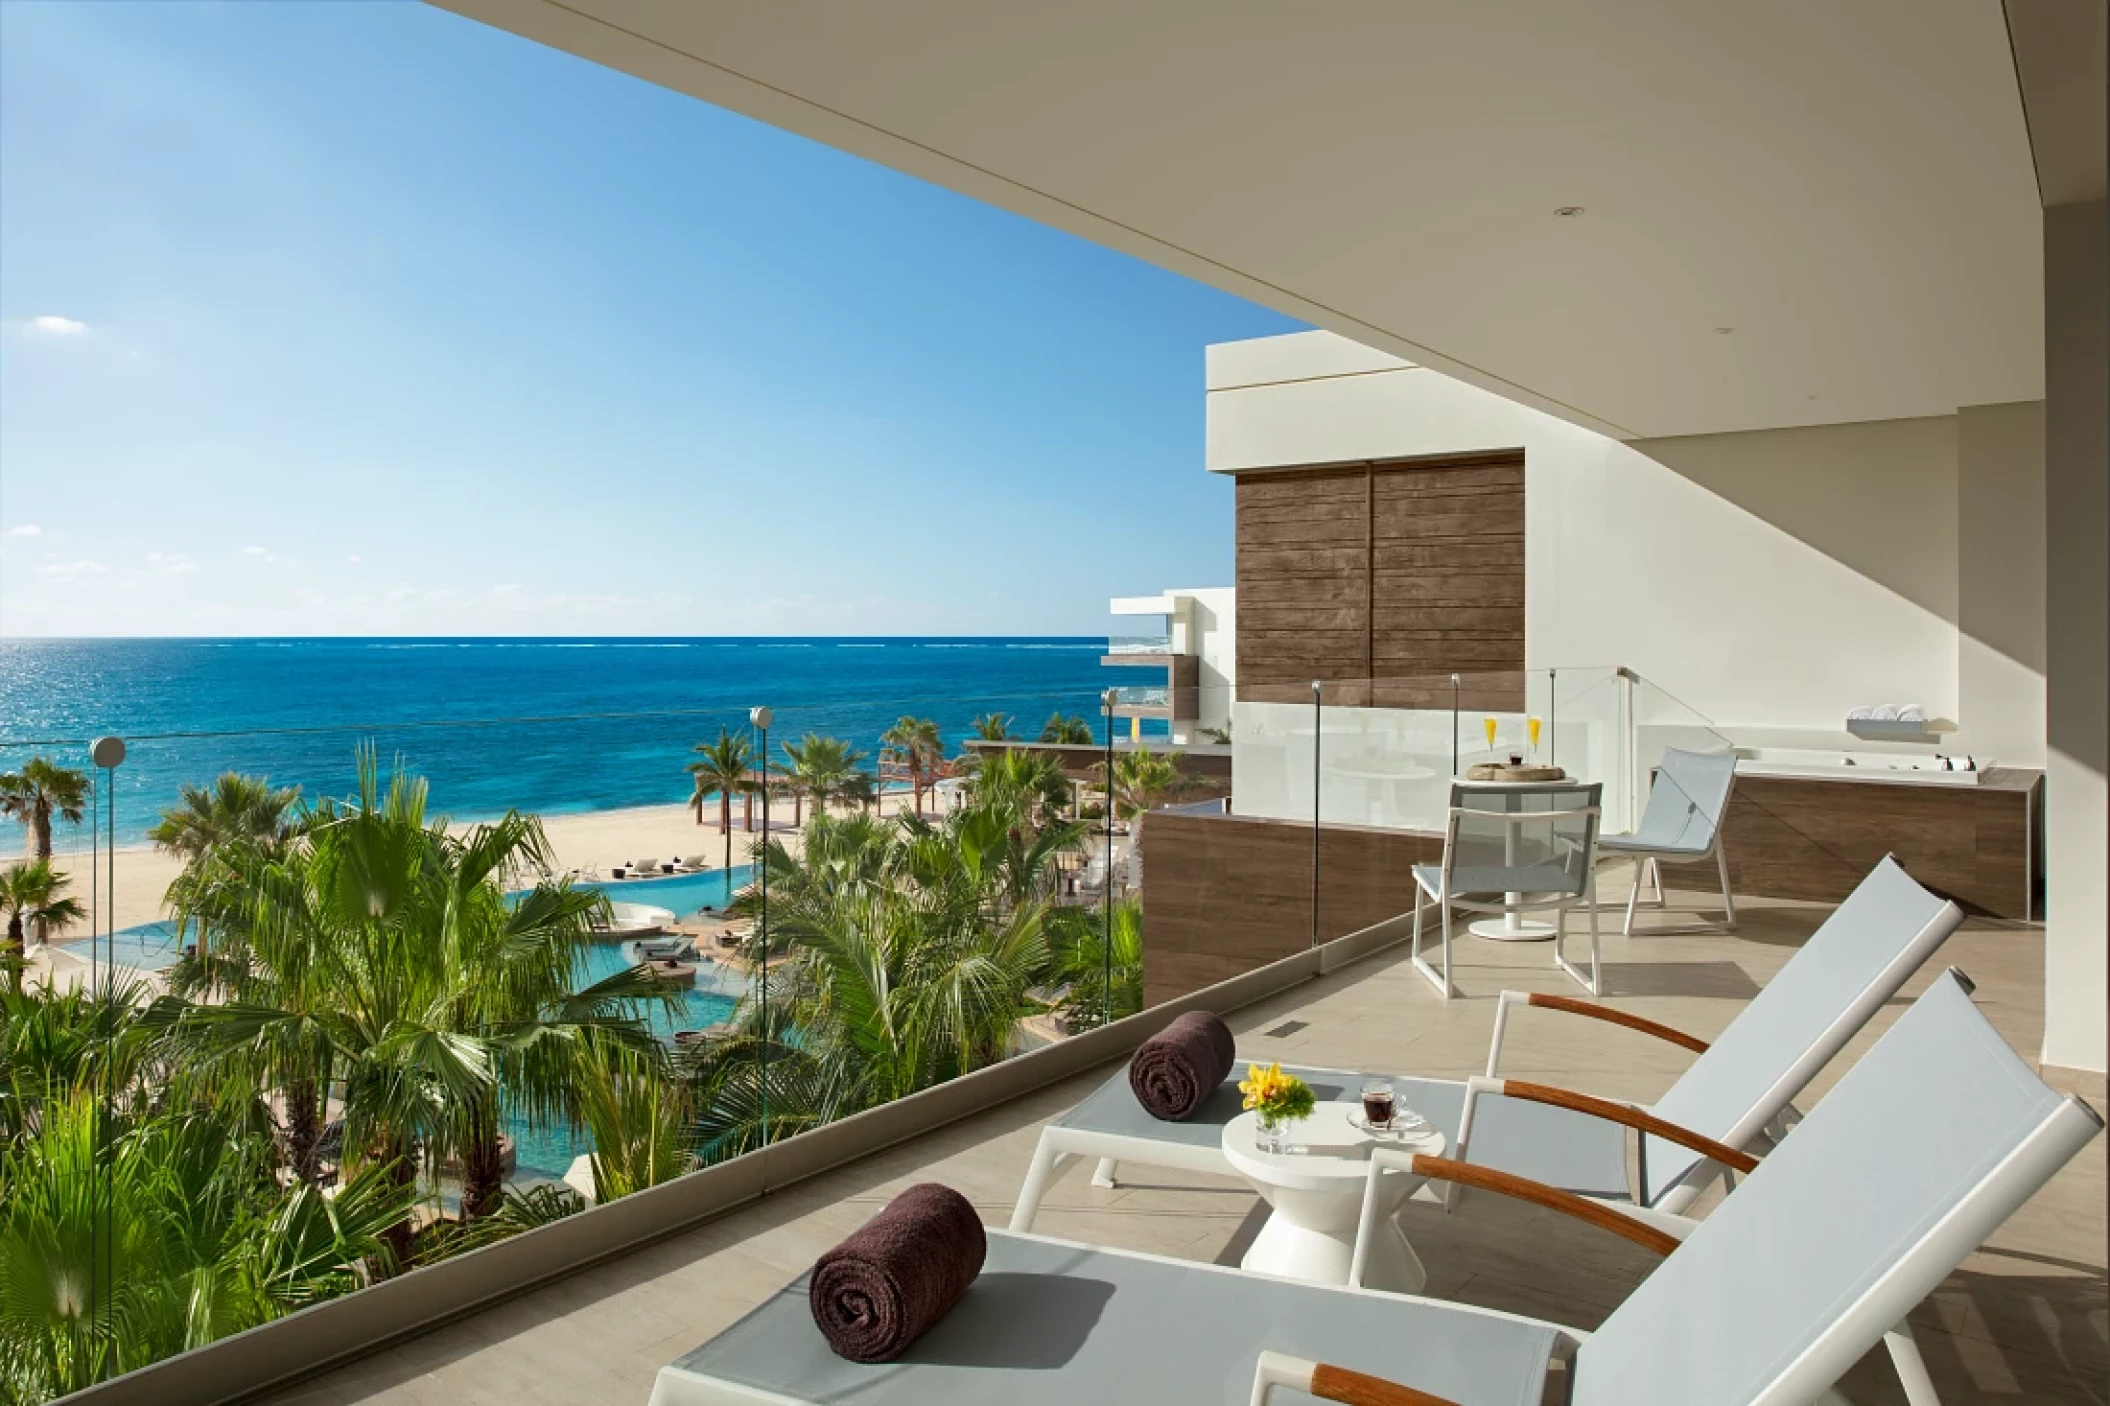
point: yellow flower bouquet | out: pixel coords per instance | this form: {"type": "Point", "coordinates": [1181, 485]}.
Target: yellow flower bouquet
{"type": "Point", "coordinates": [1278, 1099]}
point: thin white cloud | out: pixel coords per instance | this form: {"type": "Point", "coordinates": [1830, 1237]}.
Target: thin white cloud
{"type": "Point", "coordinates": [255, 552]}
{"type": "Point", "coordinates": [51, 325]}
{"type": "Point", "coordinates": [27, 529]}
{"type": "Point", "coordinates": [72, 568]}
{"type": "Point", "coordinates": [173, 563]}
{"type": "Point", "coordinates": [355, 560]}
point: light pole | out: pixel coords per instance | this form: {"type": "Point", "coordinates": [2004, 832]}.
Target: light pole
{"type": "Point", "coordinates": [1108, 701]}
{"type": "Point", "coordinates": [1317, 728]}
{"type": "Point", "coordinates": [759, 719]}
{"type": "Point", "coordinates": [107, 753]}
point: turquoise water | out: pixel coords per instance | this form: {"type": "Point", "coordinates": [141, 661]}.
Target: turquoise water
{"type": "Point", "coordinates": [543, 725]}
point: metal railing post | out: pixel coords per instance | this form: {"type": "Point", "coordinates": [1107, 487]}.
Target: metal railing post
{"type": "Point", "coordinates": [1317, 730]}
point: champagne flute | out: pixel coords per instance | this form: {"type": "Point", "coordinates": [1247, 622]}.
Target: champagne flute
{"type": "Point", "coordinates": [1532, 725]}
{"type": "Point", "coordinates": [1489, 724]}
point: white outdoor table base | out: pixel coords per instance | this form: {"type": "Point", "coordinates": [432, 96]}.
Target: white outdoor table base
{"type": "Point", "coordinates": [1310, 1235]}
{"type": "Point", "coordinates": [1315, 1204]}
{"type": "Point", "coordinates": [1510, 927]}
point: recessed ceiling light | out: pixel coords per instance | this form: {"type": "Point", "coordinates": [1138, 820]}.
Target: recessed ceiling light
{"type": "Point", "coordinates": [1569, 212]}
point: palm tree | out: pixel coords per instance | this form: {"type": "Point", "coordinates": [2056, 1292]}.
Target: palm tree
{"type": "Point", "coordinates": [911, 949]}
{"type": "Point", "coordinates": [1142, 781]}
{"type": "Point", "coordinates": [126, 1240]}
{"type": "Point", "coordinates": [33, 895]}
{"type": "Point", "coordinates": [819, 767]}
{"type": "Point", "coordinates": [235, 809]}
{"type": "Point", "coordinates": [37, 793]}
{"type": "Point", "coordinates": [1069, 731]}
{"type": "Point", "coordinates": [993, 727]}
{"type": "Point", "coordinates": [639, 1121]}
{"type": "Point", "coordinates": [916, 744]}
{"type": "Point", "coordinates": [726, 767]}
{"type": "Point", "coordinates": [1032, 781]}
{"type": "Point", "coordinates": [379, 954]}
{"type": "Point", "coordinates": [1082, 963]}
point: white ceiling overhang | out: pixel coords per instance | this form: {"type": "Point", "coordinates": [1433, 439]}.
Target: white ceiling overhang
{"type": "Point", "coordinates": [1847, 187]}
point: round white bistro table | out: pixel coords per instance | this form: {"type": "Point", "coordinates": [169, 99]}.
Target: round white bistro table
{"type": "Point", "coordinates": [1510, 927]}
{"type": "Point", "coordinates": [1315, 1187]}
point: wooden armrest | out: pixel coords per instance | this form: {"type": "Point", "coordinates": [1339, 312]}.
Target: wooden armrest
{"type": "Point", "coordinates": [1632, 1117]}
{"type": "Point", "coordinates": [1605, 1013]}
{"type": "Point", "coordinates": [1330, 1383]}
{"type": "Point", "coordinates": [1539, 1194]}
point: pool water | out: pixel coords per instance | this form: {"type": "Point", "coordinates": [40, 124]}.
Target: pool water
{"type": "Point", "coordinates": [149, 947]}
{"type": "Point", "coordinates": [544, 1154]}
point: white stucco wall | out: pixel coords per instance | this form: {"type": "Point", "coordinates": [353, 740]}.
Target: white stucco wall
{"type": "Point", "coordinates": [1771, 580]}
{"type": "Point", "coordinates": [1212, 623]}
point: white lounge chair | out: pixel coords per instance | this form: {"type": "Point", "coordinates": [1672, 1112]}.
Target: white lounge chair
{"type": "Point", "coordinates": [1842, 1231]}
{"type": "Point", "coordinates": [1738, 1089]}
{"type": "Point", "coordinates": [1682, 824]}
{"type": "Point", "coordinates": [644, 868]}
{"type": "Point", "coordinates": [1514, 849]}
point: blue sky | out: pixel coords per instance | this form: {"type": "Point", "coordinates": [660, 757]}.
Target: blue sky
{"type": "Point", "coordinates": [366, 319]}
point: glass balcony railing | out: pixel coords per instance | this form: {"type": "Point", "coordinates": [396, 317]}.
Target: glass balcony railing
{"type": "Point", "coordinates": [1138, 644]}
{"type": "Point", "coordinates": [585, 952]}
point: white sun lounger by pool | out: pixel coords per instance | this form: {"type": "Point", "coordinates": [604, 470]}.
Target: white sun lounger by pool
{"type": "Point", "coordinates": [1819, 1256]}
{"type": "Point", "coordinates": [1732, 1095]}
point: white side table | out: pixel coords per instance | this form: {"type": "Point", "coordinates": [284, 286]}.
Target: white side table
{"type": "Point", "coordinates": [1315, 1188]}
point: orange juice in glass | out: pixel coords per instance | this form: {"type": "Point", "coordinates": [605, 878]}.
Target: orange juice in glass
{"type": "Point", "coordinates": [1489, 724]}
{"type": "Point", "coordinates": [1531, 725]}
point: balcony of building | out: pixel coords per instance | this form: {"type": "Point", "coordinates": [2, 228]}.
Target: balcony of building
{"type": "Point", "coordinates": [619, 1292]}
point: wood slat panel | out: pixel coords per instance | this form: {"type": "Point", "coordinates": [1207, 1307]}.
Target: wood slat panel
{"type": "Point", "coordinates": [1424, 557]}
{"type": "Point", "coordinates": [1354, 573]}
{"type": "Point", "coordinates": [1317, 616]}
{"type": "Point", "coordinates": [1224, 894]}
{"type": "Point", "coordinates": [1303, 548]}
{"type": "Point", "coordinates": [1390, 591]}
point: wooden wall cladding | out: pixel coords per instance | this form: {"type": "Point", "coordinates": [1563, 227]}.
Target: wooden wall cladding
{"type": "Point", "coordinates": [1303, 581]}
{"type": "Point", "coordinates": [1789, 837]}
{"type": "Point", "coordinates": [1382, 580]}
{"type": "Point", "coordinates": [1225, 894]}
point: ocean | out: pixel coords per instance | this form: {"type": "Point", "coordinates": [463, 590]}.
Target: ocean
{"type": "Point", "coordinates": [543, 725]}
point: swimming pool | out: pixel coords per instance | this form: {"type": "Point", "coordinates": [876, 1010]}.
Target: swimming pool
{"type": "Point", "coordinates": [686, 894]}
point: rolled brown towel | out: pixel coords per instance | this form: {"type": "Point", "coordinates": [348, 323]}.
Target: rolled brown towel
{"type": "Point", "coordinates": [889, 1282]}
{"type": "Point", "coordinates": [1175, 1069]}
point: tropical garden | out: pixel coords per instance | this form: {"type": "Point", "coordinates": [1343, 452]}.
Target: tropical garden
{"type": "Point", "coordinates": [371, 998]}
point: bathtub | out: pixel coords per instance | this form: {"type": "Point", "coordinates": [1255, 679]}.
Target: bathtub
{"type": "Point", "coordinates": [1817, 765]}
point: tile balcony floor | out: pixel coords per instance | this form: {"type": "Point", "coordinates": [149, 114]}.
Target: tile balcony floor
{"type": "Point", "coordinates": [2026, 1319]}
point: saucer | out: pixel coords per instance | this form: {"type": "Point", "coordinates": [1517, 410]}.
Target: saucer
{"type": "Point", "coordinates": [1405, 1123]}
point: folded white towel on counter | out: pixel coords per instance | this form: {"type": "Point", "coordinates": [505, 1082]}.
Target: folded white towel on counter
{"type": "Point", "coordinates": [1911, 713]}
{"type": "Point", "coordinates": [1860, 715]}
{"type": "Point", "coordinates": [1883, 713]}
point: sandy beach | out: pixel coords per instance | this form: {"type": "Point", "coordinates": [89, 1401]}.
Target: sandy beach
{"type": "Point", "coordinates": [594, 841]}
